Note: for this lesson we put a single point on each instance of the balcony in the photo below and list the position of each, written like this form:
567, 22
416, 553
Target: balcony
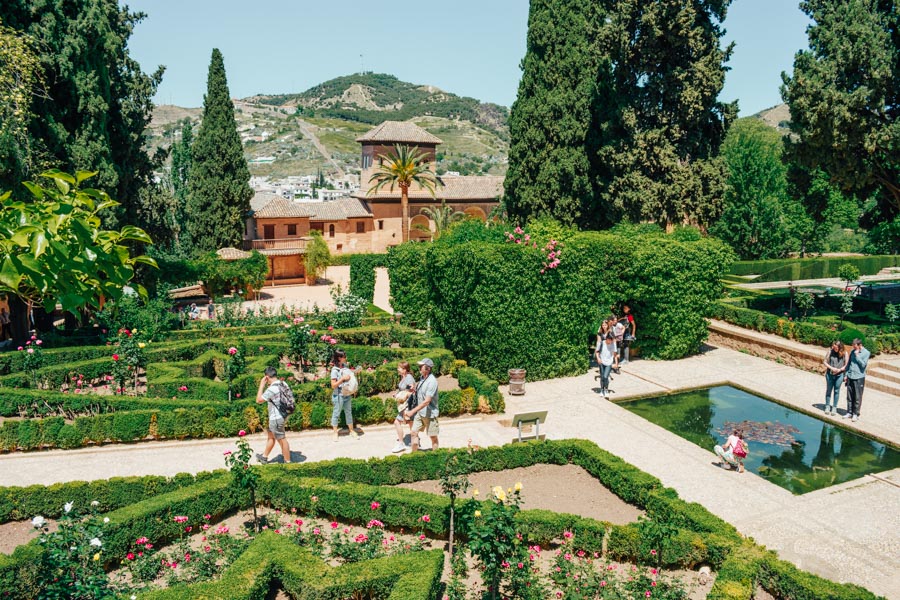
297, 243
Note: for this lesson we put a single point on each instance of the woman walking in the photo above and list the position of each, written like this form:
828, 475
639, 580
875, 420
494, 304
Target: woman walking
836, 360
405, 401
607, 356
340, 400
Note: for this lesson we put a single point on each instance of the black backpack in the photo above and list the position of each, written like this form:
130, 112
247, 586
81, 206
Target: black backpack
286, 404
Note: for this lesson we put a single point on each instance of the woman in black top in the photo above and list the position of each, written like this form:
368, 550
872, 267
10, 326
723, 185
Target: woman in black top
835, 362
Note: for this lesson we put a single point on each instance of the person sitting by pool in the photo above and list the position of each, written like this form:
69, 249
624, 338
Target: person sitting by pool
734, 451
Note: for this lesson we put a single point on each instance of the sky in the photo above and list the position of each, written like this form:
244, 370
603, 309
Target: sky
467, 47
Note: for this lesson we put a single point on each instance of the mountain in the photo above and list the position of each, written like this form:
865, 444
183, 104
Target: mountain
779, 117
301, 134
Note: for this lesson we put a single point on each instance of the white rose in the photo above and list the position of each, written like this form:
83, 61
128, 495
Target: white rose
68, 506
106, 519
96, 542
95, 503
38, 522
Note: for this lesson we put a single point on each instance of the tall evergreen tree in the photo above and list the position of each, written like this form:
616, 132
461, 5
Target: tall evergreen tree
182, 163
844, 97
552, 136
219, 186
661, 122
97, 101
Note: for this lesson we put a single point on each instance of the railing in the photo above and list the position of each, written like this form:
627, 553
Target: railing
298, 243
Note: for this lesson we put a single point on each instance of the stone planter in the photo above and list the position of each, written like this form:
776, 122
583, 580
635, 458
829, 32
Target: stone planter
516, 382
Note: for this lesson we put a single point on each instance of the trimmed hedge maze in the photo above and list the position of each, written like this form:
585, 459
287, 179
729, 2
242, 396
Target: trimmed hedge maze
187, 396
345, 490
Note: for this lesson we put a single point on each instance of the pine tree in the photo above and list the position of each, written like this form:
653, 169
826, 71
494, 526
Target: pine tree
219, 188
552, 138
844, 97
662, 124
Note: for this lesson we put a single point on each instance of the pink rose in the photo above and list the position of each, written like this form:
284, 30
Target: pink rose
232, 351
31, 351
242, 433
375, 505
39, 342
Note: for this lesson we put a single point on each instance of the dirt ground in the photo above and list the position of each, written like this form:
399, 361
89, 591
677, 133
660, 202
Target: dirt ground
560, 488
17, 533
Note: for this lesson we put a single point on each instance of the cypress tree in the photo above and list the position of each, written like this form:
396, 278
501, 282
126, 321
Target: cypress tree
182, 162
552, 138
663, 125
219, 186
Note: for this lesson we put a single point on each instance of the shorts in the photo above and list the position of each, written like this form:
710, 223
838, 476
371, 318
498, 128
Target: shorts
276, 428
430, 425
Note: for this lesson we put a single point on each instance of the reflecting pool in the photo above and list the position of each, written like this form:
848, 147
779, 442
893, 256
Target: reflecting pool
789, 448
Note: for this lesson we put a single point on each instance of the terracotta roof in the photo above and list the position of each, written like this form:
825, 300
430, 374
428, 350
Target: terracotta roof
399, 131
455, 188
282, 251
191, 291
281, 208
338, 210
260, 199
232, 254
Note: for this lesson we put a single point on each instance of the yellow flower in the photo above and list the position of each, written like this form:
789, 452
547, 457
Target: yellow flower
475, 493
133, 331
141, 344
477, 513
96, 557
509, 491
519, 486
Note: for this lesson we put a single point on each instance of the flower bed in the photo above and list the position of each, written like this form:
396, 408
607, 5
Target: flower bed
682, 534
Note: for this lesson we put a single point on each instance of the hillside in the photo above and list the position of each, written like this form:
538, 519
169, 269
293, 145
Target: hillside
317, 129
778, 116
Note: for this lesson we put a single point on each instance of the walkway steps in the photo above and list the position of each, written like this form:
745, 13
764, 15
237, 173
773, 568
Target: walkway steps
883, 375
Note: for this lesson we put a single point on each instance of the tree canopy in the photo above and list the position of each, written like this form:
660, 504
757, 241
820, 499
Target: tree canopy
97, 101
219, 185
844, 96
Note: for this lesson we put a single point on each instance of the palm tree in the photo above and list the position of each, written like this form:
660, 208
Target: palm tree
405, 166
443, 216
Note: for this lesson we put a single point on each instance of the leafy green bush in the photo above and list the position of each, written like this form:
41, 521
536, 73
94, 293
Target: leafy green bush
362, 274
795, 269
222, 276
409, 289
317, 257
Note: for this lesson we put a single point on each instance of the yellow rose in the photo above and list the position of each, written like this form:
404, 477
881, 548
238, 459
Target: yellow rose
477, 513
133, 331
141, 344
501, 497
519, 486
497, 491
97, 557
475, 493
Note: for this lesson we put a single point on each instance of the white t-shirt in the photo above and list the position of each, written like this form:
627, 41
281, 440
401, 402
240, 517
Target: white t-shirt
272, 396
607, 351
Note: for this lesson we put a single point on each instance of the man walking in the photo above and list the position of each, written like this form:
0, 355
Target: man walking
270, 392
424, 416
856, 378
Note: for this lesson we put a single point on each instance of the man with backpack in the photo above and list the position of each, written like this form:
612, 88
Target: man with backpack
278, 395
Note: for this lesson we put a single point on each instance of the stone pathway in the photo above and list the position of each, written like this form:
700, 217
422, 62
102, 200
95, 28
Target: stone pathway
848, 533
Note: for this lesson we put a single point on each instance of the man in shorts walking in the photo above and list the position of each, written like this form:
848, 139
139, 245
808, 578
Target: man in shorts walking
425, 415
270, 393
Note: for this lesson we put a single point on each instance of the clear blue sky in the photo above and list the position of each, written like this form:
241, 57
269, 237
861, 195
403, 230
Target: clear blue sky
468, 47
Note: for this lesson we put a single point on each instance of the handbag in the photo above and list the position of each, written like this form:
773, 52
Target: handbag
741, 450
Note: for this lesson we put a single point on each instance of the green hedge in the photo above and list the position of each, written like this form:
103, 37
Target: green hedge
344, 489
362, 274
494, 308
794, 269
806, 332
409, 289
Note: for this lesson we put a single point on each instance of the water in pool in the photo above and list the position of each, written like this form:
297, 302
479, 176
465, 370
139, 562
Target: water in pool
787, 447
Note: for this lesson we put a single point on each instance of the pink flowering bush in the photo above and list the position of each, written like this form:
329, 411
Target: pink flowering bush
34, 358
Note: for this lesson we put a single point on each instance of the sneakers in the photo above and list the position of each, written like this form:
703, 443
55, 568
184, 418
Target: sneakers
261, 459
855, 418
399, 448
847, 415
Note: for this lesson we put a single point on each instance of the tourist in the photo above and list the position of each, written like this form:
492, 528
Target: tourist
628, 337
211, 310
195, 312
405, 401
607, 356
835, 364
733, 453
856, 378
5, 322
341, 401
425, 413
270, 391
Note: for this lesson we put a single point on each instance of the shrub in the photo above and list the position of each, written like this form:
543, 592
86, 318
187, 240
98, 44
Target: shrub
362, 274
318, 257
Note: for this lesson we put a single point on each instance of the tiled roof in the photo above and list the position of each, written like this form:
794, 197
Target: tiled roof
282, 251
399, 131
260, 199
338, 210
280, 208
232, 254
474, 187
